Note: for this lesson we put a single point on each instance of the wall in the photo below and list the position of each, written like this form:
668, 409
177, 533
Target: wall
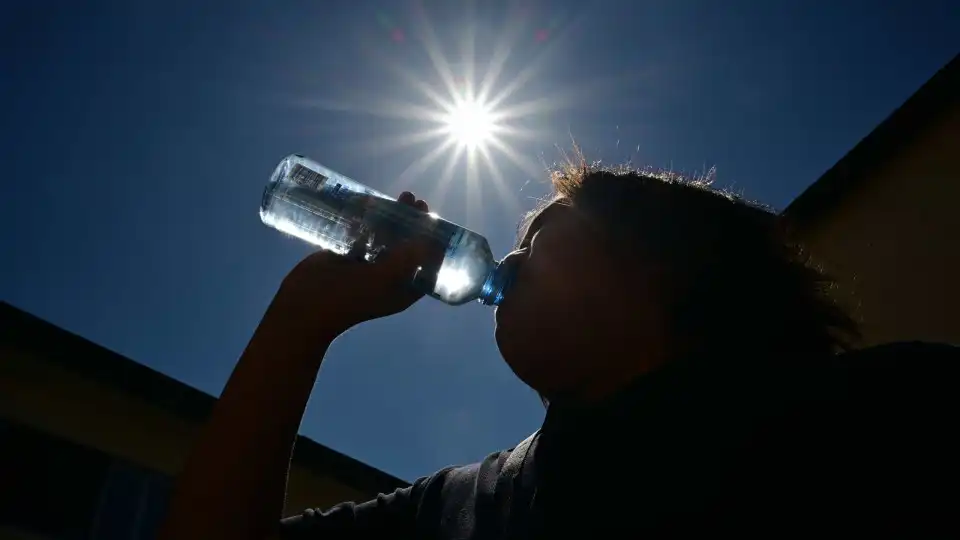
894, 244
121, 442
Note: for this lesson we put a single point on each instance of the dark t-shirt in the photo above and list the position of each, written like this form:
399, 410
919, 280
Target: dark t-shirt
860, 444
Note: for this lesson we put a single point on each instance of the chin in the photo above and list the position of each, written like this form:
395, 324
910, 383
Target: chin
500, 336
524, 365
500, 326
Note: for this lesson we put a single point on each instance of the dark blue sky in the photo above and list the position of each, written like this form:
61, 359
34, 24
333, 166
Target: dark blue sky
137, 137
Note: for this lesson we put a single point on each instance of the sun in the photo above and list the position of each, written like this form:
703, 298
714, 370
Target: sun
470, 124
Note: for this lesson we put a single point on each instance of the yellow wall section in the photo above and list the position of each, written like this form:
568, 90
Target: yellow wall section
52, 399
894, 244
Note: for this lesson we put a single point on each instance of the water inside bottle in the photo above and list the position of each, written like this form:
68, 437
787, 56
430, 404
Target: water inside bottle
322, 207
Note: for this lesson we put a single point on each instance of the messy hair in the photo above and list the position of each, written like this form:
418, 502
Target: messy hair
737, 284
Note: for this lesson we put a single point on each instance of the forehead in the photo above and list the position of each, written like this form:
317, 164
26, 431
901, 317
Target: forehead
534, 221
559, 216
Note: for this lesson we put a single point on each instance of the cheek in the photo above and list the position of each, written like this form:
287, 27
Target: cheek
553, 277
549, 295
553, 309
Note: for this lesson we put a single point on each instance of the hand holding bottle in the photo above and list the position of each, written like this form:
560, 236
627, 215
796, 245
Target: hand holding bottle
327, 293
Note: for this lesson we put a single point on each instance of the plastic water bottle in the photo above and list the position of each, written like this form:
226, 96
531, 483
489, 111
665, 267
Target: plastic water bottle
325, 208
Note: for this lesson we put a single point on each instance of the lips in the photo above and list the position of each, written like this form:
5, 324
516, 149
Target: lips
509, 270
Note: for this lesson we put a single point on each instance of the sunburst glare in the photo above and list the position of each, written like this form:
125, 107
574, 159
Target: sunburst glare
470, 123
459, 119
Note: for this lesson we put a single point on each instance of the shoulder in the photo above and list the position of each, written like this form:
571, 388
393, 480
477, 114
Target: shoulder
907, 357
461, 483
911, 378
886, 391
870, 441
421, 509
896, 400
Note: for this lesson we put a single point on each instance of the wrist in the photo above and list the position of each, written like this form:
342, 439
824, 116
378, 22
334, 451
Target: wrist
294, 335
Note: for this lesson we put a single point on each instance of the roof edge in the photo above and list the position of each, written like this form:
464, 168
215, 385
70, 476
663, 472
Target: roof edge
25, 331
902, 126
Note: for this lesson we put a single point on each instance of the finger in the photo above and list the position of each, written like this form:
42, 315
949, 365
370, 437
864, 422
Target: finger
358, 251
407, 198
421, 205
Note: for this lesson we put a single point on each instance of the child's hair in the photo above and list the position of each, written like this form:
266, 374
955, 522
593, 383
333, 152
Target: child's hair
737, 285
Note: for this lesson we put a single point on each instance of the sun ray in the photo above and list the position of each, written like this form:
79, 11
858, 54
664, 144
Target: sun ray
528, 166
500, 183
474, 194
501, 54
595, 88
470, 60
393, 143
535, 106
550, 50
382, 108
408, 111
418, 84
419, 166
439, 194
526, 75
408, 76
432, 46
520, 133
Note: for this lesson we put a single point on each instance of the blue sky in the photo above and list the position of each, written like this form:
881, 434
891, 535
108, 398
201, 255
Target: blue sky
137, 137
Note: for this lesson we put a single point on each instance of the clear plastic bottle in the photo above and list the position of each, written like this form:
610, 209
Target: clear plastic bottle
325, 208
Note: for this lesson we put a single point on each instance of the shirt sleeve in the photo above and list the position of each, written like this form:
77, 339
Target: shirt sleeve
390, 516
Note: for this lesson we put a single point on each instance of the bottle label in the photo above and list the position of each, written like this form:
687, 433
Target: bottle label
360, 213
334, 197
383, 215
305, 177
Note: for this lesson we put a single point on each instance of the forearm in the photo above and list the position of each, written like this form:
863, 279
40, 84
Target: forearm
234, 481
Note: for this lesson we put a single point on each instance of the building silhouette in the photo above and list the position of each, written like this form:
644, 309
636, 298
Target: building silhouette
90, 440
885, 220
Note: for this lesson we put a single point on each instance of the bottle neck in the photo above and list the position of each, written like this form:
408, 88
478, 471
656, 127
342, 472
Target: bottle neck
496, 284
